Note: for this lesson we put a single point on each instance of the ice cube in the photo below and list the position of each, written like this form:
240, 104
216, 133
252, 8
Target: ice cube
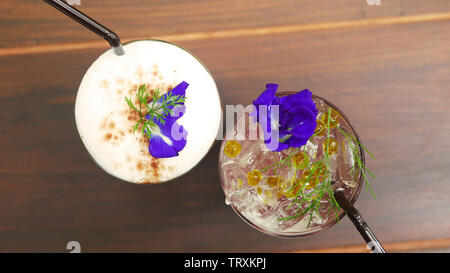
263, 210
234, 177
228, 165
312, 146
317, 219
330, 161
241, 199
286, 208
267, 194
346, 162
246, 158
288, 173
267, 159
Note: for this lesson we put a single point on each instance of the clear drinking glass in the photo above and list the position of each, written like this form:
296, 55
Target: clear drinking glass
105, 124
252, 204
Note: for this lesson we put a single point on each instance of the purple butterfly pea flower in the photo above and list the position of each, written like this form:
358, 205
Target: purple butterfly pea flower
169, 139
287, 121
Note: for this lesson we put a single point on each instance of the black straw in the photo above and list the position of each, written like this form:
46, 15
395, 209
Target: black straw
361, 225
89, 23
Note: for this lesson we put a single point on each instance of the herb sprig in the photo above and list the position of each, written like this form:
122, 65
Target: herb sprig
360, 165
154, 105
311, 200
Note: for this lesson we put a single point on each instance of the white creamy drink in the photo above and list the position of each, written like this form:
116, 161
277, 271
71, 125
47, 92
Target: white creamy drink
105, 121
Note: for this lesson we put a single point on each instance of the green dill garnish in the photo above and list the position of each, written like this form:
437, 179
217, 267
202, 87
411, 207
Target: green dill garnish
319, 173
149, 104
360, 165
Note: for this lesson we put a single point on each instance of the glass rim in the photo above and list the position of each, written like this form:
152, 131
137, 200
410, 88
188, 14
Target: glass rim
319, 228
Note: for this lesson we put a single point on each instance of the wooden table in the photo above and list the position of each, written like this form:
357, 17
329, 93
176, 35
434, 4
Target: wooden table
387, 67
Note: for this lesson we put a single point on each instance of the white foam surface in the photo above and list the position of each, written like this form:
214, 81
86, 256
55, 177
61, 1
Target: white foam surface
103, 117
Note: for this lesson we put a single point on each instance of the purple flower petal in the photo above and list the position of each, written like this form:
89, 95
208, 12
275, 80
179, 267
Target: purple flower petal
267, 96
266, 100
180, 89
297, 141
168, 139
275, 144
299, 115
159, 148
301, 98
281, 147
178, 111
296, 120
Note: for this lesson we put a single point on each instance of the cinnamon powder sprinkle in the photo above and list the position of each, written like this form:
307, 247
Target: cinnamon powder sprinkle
108, 136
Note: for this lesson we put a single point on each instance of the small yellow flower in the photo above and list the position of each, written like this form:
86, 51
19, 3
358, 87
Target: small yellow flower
321, 128
300, 160
232, 148
272, 181
288, 188
334, 118
309, 179
254, 177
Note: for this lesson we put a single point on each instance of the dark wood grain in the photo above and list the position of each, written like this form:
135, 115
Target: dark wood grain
420, 246
26, 23
392, 82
